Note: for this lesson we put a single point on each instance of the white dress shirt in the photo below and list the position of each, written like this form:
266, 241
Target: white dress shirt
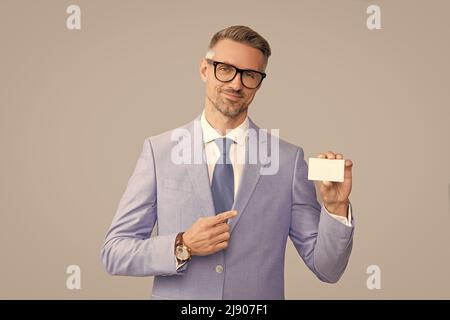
237, 155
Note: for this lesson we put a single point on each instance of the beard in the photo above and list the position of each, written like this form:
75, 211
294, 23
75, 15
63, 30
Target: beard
229, 109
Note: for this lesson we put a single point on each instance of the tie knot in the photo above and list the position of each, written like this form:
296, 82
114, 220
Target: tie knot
224, 145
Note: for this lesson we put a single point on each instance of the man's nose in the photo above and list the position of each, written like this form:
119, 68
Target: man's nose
236, 83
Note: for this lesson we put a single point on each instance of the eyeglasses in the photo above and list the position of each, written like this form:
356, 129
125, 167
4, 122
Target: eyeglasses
224, 72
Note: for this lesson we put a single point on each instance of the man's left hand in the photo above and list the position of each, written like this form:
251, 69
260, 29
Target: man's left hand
335, 194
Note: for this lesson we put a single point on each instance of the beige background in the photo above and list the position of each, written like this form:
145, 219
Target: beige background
76, 107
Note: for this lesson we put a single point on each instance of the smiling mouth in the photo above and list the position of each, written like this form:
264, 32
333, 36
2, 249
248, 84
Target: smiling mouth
232, 96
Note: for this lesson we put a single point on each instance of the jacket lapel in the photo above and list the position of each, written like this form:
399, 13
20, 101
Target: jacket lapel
250, 176
198, 171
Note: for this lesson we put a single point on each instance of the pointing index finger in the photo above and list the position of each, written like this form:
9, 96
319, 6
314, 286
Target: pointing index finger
224, 216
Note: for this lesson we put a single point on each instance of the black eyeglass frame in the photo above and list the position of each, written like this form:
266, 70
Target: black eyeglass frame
238, 70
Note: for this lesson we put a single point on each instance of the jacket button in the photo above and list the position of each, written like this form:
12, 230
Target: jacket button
219, 268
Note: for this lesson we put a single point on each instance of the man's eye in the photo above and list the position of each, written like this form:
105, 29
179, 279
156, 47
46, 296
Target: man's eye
225, 68
250, 75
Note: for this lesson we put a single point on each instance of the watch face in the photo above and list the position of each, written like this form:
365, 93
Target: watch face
182, 253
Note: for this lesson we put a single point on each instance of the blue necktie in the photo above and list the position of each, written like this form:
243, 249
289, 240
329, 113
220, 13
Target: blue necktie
222, 185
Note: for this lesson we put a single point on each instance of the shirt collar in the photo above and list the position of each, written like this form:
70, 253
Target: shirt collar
238, 134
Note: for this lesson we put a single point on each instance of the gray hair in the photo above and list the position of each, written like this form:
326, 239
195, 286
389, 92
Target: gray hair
241, 34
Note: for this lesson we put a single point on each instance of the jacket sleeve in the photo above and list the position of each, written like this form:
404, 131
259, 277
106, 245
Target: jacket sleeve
128, 249
323, 242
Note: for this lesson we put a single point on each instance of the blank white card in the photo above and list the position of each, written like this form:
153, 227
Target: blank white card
326, 169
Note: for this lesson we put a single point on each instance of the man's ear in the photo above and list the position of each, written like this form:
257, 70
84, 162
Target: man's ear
203, 69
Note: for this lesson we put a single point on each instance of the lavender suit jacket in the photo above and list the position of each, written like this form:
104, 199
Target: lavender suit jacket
271, 208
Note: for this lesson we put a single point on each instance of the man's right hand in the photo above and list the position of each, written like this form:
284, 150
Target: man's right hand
209, 234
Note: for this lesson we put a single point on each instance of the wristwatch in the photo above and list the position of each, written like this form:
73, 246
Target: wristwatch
182, 252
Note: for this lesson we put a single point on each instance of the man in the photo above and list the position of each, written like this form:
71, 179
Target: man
222, 224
